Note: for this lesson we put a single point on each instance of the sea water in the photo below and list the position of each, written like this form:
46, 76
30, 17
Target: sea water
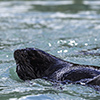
68, 29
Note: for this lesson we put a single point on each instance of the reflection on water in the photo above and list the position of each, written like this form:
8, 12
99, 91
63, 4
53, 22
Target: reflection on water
68, 29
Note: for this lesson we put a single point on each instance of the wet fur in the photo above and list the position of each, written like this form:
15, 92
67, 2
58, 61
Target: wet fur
34, 63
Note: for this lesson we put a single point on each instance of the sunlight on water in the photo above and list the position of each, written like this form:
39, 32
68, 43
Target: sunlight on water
68, 29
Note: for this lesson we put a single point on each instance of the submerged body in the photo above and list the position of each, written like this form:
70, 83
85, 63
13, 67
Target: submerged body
34, 63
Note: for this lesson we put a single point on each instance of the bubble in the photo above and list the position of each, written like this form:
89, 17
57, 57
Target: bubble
72, 43
65, 51
86, 44
7, 56
60, 51
49, 44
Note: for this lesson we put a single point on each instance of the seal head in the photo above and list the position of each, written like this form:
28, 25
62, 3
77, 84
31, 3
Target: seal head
33, 63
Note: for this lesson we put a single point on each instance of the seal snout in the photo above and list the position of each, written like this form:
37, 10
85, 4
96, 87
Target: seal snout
19, 54
16, 53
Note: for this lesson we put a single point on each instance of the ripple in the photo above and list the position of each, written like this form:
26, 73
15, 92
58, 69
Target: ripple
68, 29
91, 2
47, 3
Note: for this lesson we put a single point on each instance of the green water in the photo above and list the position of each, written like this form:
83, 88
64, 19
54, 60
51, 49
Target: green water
62, 28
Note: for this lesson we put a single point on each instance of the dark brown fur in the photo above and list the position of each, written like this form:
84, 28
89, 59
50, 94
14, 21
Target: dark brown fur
34, 63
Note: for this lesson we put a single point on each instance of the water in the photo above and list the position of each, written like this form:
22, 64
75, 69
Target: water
68, 29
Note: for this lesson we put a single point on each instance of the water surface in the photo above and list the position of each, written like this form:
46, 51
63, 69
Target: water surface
68, 29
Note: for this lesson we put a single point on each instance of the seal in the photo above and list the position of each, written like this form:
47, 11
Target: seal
34, 63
